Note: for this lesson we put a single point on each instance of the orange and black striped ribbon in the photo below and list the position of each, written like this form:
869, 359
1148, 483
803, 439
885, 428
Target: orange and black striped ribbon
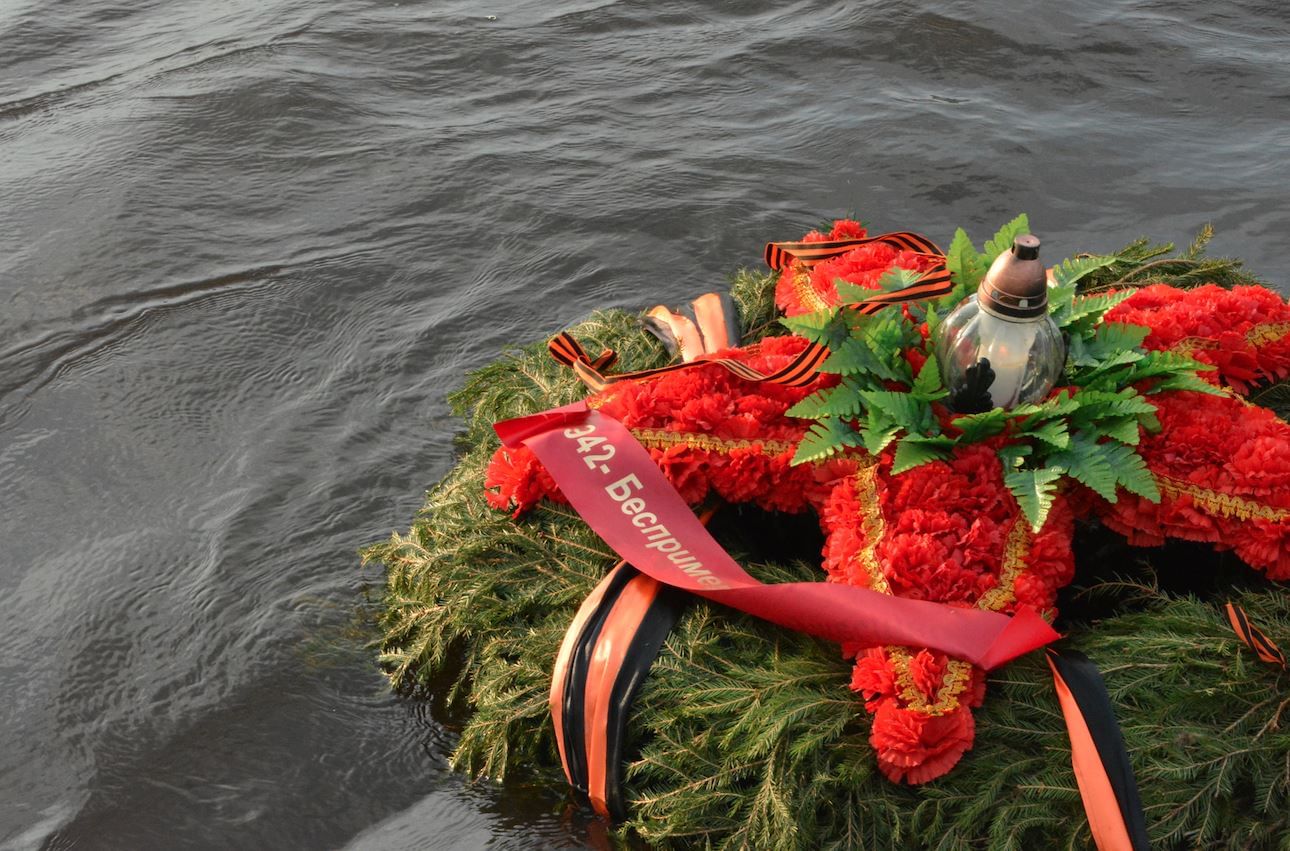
780, 255
605, 658
802, 369
1098, 755
568, 351
1266, 649
575, 654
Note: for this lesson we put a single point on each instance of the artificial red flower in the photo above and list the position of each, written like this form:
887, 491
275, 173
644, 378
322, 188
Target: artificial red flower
1243, 331
915, 748
516, 479
927, 670
873, 678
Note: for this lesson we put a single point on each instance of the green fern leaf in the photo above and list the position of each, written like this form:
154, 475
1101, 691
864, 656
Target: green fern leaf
1100, 404
845, 401
933, 321
928, 386
821, 326
810, 408
1131, 471
1051, 432
1089, 463
896, 279
913, 415
915, 450
977, 427
1034, 490
1059, 406
854, 357
1119, 335
878, 432
1060, 300
1111, 341
1124, 429
965, 266
1108, 375
841, 401
1012, 455
1085, 312
1185, 381
824, 438
1070, 271
849, 293
1157, 364
889, 336
1003, 238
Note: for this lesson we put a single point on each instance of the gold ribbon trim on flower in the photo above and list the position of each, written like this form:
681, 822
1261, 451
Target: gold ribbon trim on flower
957, 673
806, 293
652, 438
1219, 503
1258, 335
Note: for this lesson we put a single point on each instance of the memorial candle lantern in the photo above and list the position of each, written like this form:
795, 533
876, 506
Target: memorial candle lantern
999, 348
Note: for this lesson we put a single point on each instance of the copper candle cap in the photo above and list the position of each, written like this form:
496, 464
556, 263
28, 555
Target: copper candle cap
1016, 286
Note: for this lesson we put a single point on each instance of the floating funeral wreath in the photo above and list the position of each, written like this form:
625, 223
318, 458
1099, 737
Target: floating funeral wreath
1163, 429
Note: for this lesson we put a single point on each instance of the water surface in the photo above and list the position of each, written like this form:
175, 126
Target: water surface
247, 247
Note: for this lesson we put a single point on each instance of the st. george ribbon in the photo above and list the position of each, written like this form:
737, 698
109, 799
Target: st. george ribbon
615, 486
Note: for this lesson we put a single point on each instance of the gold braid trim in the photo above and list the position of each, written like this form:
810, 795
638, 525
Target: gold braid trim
1269, 332
654, 438
957, 673
1015, 550
1219, 503
1258, 335
872, 527
806, 293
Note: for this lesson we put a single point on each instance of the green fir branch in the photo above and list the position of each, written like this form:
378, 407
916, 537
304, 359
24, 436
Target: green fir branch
1141, 263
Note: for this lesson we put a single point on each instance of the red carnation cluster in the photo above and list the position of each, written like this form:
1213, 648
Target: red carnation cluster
802, 291
914, 747
515, 480
707, 430
712, 401
942, 533
1223, 468
1244, 332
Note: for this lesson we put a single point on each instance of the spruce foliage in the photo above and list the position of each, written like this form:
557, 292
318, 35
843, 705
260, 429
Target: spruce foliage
1143, 262
748, 736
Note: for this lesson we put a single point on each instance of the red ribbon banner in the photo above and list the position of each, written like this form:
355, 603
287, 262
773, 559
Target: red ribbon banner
613, 483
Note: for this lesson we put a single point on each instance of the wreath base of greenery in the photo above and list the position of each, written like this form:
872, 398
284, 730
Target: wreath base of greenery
747, 736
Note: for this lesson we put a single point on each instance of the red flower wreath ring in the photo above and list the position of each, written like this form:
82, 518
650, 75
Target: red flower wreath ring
950, 531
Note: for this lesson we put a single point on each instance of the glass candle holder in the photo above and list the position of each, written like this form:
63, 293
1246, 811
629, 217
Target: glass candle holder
1000, 348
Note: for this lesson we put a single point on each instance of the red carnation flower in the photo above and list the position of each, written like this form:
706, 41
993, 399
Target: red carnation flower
916, 748
515, 478
927, 671
873, 678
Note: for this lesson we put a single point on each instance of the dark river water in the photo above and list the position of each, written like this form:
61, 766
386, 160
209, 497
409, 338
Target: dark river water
246, 248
